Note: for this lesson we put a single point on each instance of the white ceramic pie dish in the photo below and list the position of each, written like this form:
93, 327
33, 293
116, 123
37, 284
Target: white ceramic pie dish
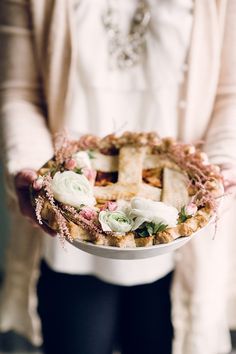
135, 252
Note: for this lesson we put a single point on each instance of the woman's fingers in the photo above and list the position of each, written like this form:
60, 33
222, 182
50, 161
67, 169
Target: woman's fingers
23, 180
229, 173
48, 230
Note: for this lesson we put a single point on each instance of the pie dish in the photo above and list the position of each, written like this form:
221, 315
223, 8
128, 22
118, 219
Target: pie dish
130, 191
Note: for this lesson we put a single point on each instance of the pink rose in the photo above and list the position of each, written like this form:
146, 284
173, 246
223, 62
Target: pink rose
190, 209
90, 174
88, 213
70, 164
111, 206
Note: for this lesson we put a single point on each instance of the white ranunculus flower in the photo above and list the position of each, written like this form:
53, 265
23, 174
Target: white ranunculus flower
147, 210
82, 159
73, 189
115, 221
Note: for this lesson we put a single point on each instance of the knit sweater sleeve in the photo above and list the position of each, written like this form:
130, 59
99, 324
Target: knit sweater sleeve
25, 135
221, 134
200, 287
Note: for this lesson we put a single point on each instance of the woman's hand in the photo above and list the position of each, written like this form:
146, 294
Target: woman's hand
229, 173
23, 180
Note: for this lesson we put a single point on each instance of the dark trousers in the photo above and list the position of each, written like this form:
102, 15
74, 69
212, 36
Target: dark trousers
83, 315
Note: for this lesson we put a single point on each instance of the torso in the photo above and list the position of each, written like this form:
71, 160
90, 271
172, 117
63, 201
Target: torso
144, 97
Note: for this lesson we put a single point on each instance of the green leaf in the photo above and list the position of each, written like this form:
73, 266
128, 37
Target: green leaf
91, 154
53, 171
78, 170
150, 228
160, 227
142, 232
182, 215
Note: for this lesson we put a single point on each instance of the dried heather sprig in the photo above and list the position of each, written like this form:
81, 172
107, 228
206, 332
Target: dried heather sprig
198, 171
60, 220
64, 148
90, 225
38, 208
47, 186
70, 209
62, 225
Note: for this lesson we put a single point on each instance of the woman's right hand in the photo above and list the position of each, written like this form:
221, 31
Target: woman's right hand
23, 181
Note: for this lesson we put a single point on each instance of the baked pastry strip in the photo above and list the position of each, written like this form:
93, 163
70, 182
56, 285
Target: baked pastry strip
131, 165
115, 191
149, 192
110, 163
175, 188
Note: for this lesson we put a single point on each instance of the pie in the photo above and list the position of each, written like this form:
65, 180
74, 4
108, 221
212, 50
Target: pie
132, 190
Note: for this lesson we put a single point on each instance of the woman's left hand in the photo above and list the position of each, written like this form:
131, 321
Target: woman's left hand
229, 174
23, 180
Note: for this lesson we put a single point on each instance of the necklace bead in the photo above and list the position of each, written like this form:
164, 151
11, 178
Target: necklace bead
125, 51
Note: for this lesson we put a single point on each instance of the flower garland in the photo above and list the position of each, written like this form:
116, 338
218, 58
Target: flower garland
66, 184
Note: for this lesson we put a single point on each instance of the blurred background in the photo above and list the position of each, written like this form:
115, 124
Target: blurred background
4, 222
9, 342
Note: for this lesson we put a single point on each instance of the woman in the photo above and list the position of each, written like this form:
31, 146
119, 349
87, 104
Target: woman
76, 67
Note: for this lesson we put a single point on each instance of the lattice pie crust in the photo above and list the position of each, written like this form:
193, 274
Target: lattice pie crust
136, 164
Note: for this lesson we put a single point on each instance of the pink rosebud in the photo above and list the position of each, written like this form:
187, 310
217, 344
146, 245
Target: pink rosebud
190, 149
38, 183
88, 141
70, 164
88, 213
204, 158
90, 174
190, 209
111, 206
